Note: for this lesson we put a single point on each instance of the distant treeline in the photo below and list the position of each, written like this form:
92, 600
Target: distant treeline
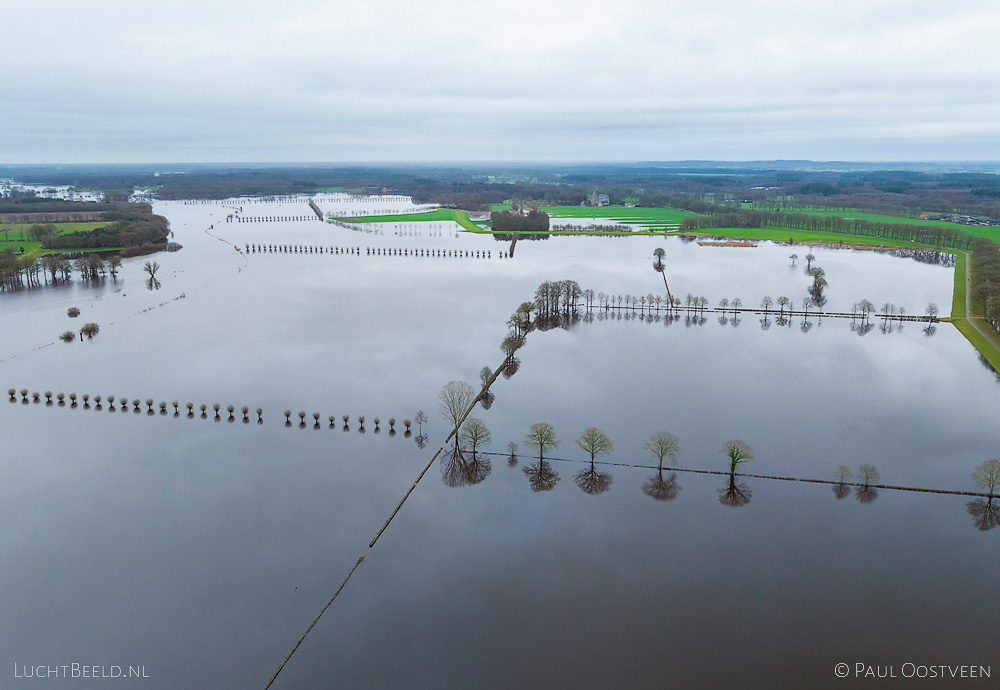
765, 185
41, 205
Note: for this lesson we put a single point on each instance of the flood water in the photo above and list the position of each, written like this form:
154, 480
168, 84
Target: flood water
201, 549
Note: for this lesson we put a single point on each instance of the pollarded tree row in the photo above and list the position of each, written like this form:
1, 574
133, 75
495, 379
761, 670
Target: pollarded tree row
203, 409
369, 251
268, 219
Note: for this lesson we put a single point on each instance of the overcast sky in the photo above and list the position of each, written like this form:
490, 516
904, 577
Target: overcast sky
109, 81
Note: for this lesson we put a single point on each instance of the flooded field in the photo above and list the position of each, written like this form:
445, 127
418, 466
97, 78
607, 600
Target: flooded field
201, 548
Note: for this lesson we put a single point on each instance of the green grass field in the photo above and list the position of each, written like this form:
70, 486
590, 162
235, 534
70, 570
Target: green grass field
441, 214
958, 299
18, 237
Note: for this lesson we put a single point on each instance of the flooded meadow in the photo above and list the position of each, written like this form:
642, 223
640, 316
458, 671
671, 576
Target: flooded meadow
201, 546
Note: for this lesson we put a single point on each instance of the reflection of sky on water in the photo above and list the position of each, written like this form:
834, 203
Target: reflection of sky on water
179, 543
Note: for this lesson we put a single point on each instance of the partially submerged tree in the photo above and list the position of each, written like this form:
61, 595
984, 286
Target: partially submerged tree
738, 453
987, 475
840, 489
595, 442
512, 454
455, 400
868, 476
543, 437
663, 446
474, 434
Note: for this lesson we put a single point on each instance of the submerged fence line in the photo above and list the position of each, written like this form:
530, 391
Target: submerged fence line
723, 473
777, 313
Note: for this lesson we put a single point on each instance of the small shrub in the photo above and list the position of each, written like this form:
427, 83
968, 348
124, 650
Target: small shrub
72, 312
68, 336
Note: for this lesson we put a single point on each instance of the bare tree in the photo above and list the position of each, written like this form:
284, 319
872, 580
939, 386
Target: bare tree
595, 442
663, 446
512, 454
543, 437
474, 434
868, 475
738, 453
987, 475
456, 398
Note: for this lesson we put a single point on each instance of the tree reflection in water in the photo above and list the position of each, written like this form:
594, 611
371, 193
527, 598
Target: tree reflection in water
456, 470
866, 494
541, 476
511, 367
487, 400
841, 490
593, 482
733, 494
985, 515
661, 489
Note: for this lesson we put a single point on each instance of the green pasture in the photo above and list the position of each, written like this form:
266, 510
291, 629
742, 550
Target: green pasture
879, 218
441, 214
958, 297
18, 237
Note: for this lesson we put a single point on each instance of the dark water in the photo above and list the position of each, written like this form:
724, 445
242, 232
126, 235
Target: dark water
202, 549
